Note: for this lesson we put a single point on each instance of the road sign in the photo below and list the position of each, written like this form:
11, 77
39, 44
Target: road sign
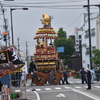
60, 49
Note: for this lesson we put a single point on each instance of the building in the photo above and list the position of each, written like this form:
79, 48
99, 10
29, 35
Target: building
95, 37
76, 62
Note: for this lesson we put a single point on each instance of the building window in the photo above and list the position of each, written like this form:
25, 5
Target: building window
86, 34
87, 65
87, 51
94, 47
93, 32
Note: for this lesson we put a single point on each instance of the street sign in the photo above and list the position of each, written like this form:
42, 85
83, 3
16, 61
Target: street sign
60, 49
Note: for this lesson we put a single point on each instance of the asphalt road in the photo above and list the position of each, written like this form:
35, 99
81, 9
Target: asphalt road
74, 91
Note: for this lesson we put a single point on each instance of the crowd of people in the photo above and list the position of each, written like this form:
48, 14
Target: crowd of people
88, 76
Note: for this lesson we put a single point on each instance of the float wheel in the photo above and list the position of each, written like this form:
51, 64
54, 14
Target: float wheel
40, 79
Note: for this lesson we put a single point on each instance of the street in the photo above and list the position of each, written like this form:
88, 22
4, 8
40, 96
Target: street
74, 91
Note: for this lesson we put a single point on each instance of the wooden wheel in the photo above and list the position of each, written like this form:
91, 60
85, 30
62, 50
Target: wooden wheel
40, 79
56, 78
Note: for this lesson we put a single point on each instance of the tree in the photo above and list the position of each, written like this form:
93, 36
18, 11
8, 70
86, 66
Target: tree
96, 57
68, 45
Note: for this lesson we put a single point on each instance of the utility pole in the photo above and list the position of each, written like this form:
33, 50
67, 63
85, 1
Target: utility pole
89, 34
89, 31
27, 54
18, 46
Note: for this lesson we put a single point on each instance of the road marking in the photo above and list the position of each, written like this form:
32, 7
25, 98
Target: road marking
60, 95
38, 89
58, 88
17, 90
71, 82
78, 81
78, 87
87, 94
38, 97
86, 86
67, 87
27, 84
47, 88
97, 86
28, 90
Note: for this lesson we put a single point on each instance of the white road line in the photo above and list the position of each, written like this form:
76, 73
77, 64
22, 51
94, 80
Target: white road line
78, 87
17, 90
58, 88
38, 97
83, 93
28, 90
86, 86
67, 87
97, 86
47, 88
38, 89
27, 84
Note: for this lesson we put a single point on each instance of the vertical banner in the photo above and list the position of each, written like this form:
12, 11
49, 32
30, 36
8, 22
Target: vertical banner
76, 39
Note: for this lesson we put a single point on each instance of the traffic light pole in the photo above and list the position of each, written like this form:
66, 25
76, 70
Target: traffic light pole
5, 25
12, 27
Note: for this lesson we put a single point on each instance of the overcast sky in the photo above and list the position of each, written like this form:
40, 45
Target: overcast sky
27, 22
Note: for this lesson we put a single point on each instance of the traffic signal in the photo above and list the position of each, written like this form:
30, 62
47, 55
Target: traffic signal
4, 36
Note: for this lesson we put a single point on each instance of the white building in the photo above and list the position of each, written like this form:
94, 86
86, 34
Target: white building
95, 37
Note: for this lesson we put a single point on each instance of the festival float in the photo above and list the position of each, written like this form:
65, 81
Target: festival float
46, 56
10, 62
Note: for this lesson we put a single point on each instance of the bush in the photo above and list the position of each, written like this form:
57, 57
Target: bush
77, 76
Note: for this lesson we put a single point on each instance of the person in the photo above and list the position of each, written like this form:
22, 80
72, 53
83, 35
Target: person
83, 76
97, 74
23, 78
51, 78
13, 79
1, 86
33, 76
18, 79
65, 76
88, 79
32, 67
92, 75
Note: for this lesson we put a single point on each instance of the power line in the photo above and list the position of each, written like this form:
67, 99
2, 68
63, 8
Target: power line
55, 2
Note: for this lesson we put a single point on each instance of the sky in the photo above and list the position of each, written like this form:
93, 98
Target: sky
65, 13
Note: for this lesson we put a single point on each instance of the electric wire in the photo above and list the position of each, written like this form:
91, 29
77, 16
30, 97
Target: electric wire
54, 2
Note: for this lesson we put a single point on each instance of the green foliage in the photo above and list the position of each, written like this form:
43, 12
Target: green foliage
68, 45
61, 33
96, 58
77, 76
